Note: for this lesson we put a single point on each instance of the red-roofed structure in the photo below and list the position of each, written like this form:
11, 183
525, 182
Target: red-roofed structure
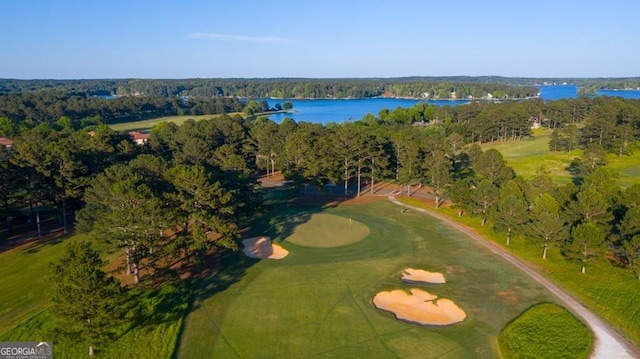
138, 137
5, 142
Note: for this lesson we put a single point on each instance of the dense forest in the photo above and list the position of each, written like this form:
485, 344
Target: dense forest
32, 108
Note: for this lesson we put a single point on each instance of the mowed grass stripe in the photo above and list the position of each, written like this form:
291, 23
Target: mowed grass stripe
296, 307
24, 283
148, 124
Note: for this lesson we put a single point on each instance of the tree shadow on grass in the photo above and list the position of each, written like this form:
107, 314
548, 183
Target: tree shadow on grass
149, 307
278, 221
233, 267
288, 213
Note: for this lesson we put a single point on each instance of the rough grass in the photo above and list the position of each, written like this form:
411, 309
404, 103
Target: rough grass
326, 231
608, 290
526, 157
545, 331
148, 124
317, 302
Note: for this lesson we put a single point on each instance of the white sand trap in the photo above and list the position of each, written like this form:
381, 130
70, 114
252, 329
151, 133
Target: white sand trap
418, 275
419, 307
261, 247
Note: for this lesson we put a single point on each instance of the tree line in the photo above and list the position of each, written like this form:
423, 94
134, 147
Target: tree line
32, 108
416, 87
586, 218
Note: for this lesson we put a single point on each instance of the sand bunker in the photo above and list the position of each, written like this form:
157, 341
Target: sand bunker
261, 247
418, 275
419, 307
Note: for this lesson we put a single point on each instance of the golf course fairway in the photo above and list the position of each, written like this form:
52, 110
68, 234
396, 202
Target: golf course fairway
317, 302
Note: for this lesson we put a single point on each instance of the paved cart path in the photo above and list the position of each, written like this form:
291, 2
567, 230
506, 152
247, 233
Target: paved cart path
608, 343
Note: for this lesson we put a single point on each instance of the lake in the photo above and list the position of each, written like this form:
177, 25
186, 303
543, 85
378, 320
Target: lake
341, 110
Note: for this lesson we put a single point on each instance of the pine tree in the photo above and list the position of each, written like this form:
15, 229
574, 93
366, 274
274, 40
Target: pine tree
85, 301
547, 225
510, 212
587, 243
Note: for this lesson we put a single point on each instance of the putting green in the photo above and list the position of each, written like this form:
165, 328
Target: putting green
328, 231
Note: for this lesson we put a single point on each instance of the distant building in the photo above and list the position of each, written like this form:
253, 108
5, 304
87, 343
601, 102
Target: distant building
6, 143
139, 137
535, 122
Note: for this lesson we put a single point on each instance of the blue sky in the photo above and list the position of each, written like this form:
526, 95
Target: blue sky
71, 39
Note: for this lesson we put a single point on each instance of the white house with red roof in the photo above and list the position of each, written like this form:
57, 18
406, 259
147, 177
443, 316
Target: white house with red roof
139, 137
6, 143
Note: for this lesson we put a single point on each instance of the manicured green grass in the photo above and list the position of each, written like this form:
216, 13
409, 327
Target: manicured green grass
148, 124
24, 283
155, 317
317, 302
545, 331
609, 291
526, 157
326, 231
154, 326
628, 167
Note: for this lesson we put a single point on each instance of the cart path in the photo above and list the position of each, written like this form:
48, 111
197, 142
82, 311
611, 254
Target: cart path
608, 344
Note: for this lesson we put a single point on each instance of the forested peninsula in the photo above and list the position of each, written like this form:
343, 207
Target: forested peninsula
447, 87
409, 87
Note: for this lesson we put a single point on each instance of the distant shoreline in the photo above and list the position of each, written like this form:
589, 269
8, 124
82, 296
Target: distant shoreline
396, 98
274, 112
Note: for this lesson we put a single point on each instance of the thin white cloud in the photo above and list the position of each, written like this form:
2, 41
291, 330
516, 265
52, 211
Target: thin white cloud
241, 38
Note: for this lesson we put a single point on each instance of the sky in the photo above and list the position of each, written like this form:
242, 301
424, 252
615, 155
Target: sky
80, 39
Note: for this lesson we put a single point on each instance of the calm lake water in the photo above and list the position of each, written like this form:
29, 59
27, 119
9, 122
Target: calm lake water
341, 110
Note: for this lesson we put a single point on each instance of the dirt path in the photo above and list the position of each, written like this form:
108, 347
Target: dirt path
608, 343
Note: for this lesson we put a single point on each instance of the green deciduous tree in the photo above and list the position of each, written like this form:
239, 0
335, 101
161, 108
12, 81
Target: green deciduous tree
251, 108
